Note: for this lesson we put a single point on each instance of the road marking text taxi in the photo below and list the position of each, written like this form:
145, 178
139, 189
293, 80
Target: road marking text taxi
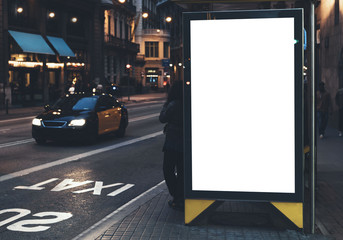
67, 184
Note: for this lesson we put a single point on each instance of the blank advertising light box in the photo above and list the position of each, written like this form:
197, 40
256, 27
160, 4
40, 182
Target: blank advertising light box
243, 102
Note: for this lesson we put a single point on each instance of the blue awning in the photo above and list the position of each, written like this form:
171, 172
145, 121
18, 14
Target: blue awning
32, 43
61, 47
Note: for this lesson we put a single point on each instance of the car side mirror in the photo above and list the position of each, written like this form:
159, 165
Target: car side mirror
47, 107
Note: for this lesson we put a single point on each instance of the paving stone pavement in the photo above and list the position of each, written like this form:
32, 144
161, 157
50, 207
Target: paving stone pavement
156, 220
245, 220
329, 191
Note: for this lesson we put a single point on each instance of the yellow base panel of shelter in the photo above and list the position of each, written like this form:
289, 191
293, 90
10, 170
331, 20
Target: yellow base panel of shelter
293, 211
194, 207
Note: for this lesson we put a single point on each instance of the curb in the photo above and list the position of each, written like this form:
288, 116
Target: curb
100, 228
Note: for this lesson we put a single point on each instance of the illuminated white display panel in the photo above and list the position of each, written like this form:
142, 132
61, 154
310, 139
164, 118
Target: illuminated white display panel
242, 105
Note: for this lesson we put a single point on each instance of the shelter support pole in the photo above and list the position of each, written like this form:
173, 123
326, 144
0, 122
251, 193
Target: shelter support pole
313, 147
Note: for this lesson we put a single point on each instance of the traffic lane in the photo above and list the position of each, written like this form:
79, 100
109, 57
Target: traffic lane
138, 164
19, 129
17, 157
15, 131
21, 112
151, 111
28, 155
143, 109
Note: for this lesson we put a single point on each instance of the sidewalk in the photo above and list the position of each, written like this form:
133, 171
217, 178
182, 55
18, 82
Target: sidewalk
17, 112
244, 220
231, 221
329, 205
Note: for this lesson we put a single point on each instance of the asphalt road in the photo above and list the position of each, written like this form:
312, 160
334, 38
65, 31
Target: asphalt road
59, 190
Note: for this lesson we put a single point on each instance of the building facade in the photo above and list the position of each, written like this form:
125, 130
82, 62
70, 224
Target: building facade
152, 34
120, 50
329, 45
168, 8
49, 46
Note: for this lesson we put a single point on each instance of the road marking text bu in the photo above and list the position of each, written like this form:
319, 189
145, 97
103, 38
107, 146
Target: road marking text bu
32, 225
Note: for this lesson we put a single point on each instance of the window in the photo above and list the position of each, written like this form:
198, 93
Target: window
166, 49
87, 103
126, 31
106, 102
109, 64
75, 103
114, 65
145, 23
151, 49
109, 24
336, 12
115, 27
121, 29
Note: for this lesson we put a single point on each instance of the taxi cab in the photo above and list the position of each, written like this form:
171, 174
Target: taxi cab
81, 117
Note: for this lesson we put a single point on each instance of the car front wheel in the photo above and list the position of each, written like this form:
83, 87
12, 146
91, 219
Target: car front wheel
122, 127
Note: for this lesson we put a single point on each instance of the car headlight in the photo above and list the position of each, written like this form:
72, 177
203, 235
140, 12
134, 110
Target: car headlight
37, 122
77, 123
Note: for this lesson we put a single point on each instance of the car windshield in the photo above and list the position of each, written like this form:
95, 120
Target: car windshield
76, 103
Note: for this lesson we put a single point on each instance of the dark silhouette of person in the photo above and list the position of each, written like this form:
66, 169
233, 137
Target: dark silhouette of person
339, 103
324, 107
340, 70
173, 169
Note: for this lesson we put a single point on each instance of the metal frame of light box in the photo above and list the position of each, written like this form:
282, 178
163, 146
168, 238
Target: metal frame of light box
297, 196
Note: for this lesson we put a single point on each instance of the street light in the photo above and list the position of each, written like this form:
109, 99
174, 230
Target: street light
168, 19
145, 15
128, 68
51, 14
122, 1
20, 10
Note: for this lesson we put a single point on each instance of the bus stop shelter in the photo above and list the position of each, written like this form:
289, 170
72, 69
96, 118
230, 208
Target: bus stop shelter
298, 203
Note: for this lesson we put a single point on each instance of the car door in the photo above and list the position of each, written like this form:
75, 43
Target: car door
116, 114
104, 115
107, 115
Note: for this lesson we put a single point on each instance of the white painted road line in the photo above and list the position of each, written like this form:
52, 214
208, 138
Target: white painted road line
77, 157
4, 129
133, 105
100, 227
16, 119
144, 117
10, 144
145, 107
